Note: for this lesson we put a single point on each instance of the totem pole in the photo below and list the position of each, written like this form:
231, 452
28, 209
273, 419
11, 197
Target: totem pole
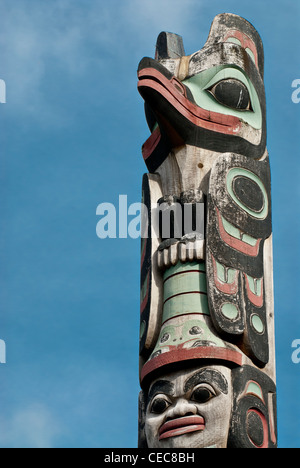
207, 359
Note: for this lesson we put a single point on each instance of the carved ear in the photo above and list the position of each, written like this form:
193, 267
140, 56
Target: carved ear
169, 46
254, 419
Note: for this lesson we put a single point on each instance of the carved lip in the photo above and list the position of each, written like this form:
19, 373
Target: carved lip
180, 426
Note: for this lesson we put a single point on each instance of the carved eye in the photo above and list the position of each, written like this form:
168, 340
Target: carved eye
231, 93
195, 331
165, 338
202, 394
159, 405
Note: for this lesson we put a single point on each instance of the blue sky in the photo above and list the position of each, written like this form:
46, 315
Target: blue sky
70, 138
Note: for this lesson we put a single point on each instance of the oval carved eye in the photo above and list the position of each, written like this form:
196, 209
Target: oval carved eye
202, 394
231, 93
195, 331
159, 405
165, 338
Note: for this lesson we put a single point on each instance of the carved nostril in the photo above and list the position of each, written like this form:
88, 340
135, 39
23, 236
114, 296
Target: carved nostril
189, 413
178, 85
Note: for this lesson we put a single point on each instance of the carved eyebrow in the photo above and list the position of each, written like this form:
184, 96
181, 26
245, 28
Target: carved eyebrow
211, 376
161, 386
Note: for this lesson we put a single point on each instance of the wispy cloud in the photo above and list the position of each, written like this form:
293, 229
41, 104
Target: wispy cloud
44, 42
31, 427
71, 40
81, 404
168, 15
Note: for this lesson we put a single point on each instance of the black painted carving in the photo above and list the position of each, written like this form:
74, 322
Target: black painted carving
254, 417
231, 252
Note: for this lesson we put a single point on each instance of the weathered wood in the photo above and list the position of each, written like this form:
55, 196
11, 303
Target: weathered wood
207, 348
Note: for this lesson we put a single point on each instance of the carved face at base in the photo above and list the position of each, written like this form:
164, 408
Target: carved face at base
190, 409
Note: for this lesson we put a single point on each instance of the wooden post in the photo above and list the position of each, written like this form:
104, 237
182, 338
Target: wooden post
207, 358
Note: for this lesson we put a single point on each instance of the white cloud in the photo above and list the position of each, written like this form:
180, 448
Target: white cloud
75, 39
156, 15
31, 427
44, 42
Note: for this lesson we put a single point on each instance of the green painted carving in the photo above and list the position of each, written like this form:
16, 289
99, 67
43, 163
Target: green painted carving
254, 389
230, 311
257, 323
185, 290
226, 275
201, 83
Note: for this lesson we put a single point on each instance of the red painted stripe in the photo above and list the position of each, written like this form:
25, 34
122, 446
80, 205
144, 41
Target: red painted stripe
271, 423
256, 300
237, 244
145, 301
213, 121
150, 144
144, 252
246, 42
179, 355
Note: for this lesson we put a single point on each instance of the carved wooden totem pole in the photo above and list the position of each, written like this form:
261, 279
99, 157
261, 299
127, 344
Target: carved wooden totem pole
207, 360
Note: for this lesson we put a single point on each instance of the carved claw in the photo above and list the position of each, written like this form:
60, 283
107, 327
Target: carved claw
189, 248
